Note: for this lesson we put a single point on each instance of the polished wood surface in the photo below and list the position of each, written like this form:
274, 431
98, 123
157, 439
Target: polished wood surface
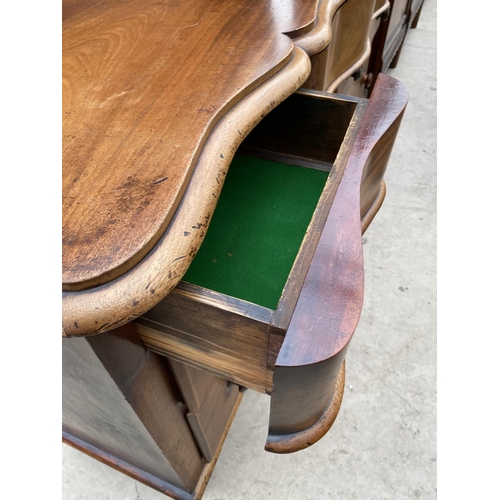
219, 334
347, 45
149, 479
122, 406
144, 85
103, 308
233, 338
302, 439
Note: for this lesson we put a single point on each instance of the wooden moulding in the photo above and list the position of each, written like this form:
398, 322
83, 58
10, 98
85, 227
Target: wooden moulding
361, 86
139, 103
232, 338
349, 71
374, 208
97, 304
318, 38
382, 7
396, 33
225, 336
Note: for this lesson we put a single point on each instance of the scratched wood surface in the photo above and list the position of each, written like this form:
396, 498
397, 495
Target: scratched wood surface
144, 84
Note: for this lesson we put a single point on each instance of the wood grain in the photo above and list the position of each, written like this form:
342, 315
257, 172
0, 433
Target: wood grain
339, 249
106, 307
230, 337
225, 336
145, 82
149, 479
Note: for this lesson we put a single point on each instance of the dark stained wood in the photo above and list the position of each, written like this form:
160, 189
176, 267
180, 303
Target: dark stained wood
415, 10
144, 212
378, 44
231, 338
323, 128
130, 470
209, 420
361, 81
374, 208
296, 441
396, 33
330, 301
296, 351
339, 249
117, 397
307, 125
192, 383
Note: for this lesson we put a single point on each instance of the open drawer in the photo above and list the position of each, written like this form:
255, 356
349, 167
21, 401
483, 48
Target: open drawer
280, 321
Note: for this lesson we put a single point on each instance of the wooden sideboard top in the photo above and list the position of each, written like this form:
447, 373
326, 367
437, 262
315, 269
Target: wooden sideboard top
157, 97
144, 84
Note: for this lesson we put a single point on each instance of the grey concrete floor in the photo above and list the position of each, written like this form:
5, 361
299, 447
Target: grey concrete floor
383, 444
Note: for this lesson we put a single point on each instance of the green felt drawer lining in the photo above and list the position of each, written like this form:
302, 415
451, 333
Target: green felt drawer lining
257, 229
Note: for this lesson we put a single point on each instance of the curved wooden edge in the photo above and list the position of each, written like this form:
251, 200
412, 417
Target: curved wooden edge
379, 12
349, 71
127, 265
375, 207
318, 39
330, 302
103, 308
301, 440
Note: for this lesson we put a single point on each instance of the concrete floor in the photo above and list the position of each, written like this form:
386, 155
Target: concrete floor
383, 444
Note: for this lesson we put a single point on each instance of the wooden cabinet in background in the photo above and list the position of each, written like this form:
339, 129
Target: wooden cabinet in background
388, 43
367, 39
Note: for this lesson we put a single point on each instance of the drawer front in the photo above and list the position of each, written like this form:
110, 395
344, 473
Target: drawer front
307, 334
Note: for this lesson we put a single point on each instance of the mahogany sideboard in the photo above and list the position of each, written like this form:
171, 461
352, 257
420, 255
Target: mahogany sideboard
215, 192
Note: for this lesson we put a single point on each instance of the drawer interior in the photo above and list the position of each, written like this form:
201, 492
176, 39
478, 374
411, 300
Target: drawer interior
271, 191
257, 228
231, 312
